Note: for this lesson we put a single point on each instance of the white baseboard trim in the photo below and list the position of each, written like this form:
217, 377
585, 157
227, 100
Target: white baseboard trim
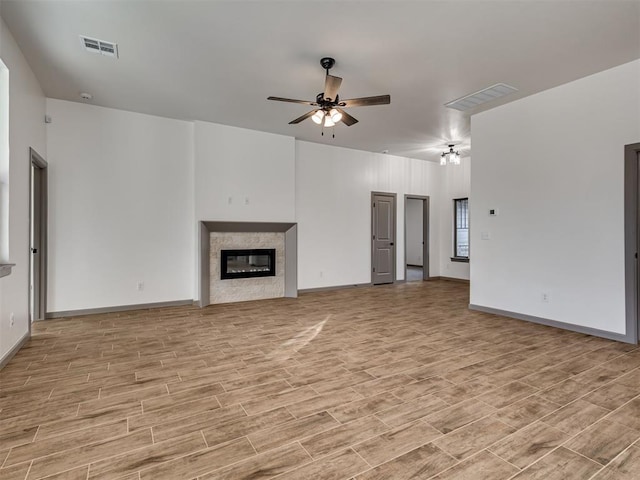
554, 323
11, 353
118, 308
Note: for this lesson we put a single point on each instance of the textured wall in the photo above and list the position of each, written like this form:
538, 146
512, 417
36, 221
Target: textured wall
243, 289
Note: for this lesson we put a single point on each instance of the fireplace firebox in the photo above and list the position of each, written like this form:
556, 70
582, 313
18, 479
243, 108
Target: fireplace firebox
260, 262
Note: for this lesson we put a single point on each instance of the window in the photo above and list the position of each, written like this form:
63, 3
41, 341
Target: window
461, 230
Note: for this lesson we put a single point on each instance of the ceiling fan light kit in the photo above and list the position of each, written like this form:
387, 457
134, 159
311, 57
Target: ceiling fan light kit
326, 119
329, 107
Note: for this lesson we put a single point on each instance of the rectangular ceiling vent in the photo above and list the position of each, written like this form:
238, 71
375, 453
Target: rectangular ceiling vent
483, 96
102, 47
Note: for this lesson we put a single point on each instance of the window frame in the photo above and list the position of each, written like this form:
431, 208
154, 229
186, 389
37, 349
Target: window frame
455, 257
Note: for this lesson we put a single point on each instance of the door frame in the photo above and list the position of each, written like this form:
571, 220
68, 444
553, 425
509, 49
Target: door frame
425, 234
395, 234
631, 240
36, 161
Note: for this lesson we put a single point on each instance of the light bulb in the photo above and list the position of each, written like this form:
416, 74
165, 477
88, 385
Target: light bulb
455, 158
328, 122
317, 117
336, 116
443, 159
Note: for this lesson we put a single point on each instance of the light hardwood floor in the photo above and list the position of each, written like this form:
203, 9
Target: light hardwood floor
390, 382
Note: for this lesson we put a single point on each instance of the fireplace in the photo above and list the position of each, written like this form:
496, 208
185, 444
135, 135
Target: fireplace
248, 263
218, 236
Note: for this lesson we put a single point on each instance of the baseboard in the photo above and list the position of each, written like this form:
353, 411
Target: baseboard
335, 287
118, 308
11, 353
554, 323
450, 279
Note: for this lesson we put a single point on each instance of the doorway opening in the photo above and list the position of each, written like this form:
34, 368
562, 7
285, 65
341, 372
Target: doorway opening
383, 238
632, 241
416, 238
38, 206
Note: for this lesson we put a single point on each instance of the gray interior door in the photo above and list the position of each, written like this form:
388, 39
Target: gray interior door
38, 239
383, 261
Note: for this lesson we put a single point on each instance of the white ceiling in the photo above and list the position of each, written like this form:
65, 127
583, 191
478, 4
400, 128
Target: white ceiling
219, 60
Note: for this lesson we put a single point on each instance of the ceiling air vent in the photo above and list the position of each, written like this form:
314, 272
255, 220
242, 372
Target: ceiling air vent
483, 96
102, 47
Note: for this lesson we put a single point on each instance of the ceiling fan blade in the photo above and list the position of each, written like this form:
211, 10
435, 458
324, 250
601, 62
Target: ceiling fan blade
331, 86
291, 100
303, 117
347, 119
366, 101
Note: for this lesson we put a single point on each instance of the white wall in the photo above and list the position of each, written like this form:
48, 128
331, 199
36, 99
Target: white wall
414, 223
456, 184
126, 191
26, 129
120, 207
552, 164
333, 210
243, 175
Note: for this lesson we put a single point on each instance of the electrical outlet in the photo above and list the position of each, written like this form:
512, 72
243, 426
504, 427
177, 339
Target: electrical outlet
140, 286
545, 297
12, 319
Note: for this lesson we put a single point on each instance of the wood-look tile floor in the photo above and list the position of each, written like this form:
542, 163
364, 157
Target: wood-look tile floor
390, 382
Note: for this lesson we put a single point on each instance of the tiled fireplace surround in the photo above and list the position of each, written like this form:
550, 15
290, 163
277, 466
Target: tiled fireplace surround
216, 236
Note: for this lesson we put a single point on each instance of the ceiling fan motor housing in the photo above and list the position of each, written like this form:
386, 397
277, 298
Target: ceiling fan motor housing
327, 104
327, 63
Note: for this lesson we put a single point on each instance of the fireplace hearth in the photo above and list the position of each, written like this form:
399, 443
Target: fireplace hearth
247, 263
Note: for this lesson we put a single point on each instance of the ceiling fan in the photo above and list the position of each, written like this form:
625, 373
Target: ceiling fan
330, 107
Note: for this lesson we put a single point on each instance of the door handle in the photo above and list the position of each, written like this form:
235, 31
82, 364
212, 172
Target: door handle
391, 244
34, 250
